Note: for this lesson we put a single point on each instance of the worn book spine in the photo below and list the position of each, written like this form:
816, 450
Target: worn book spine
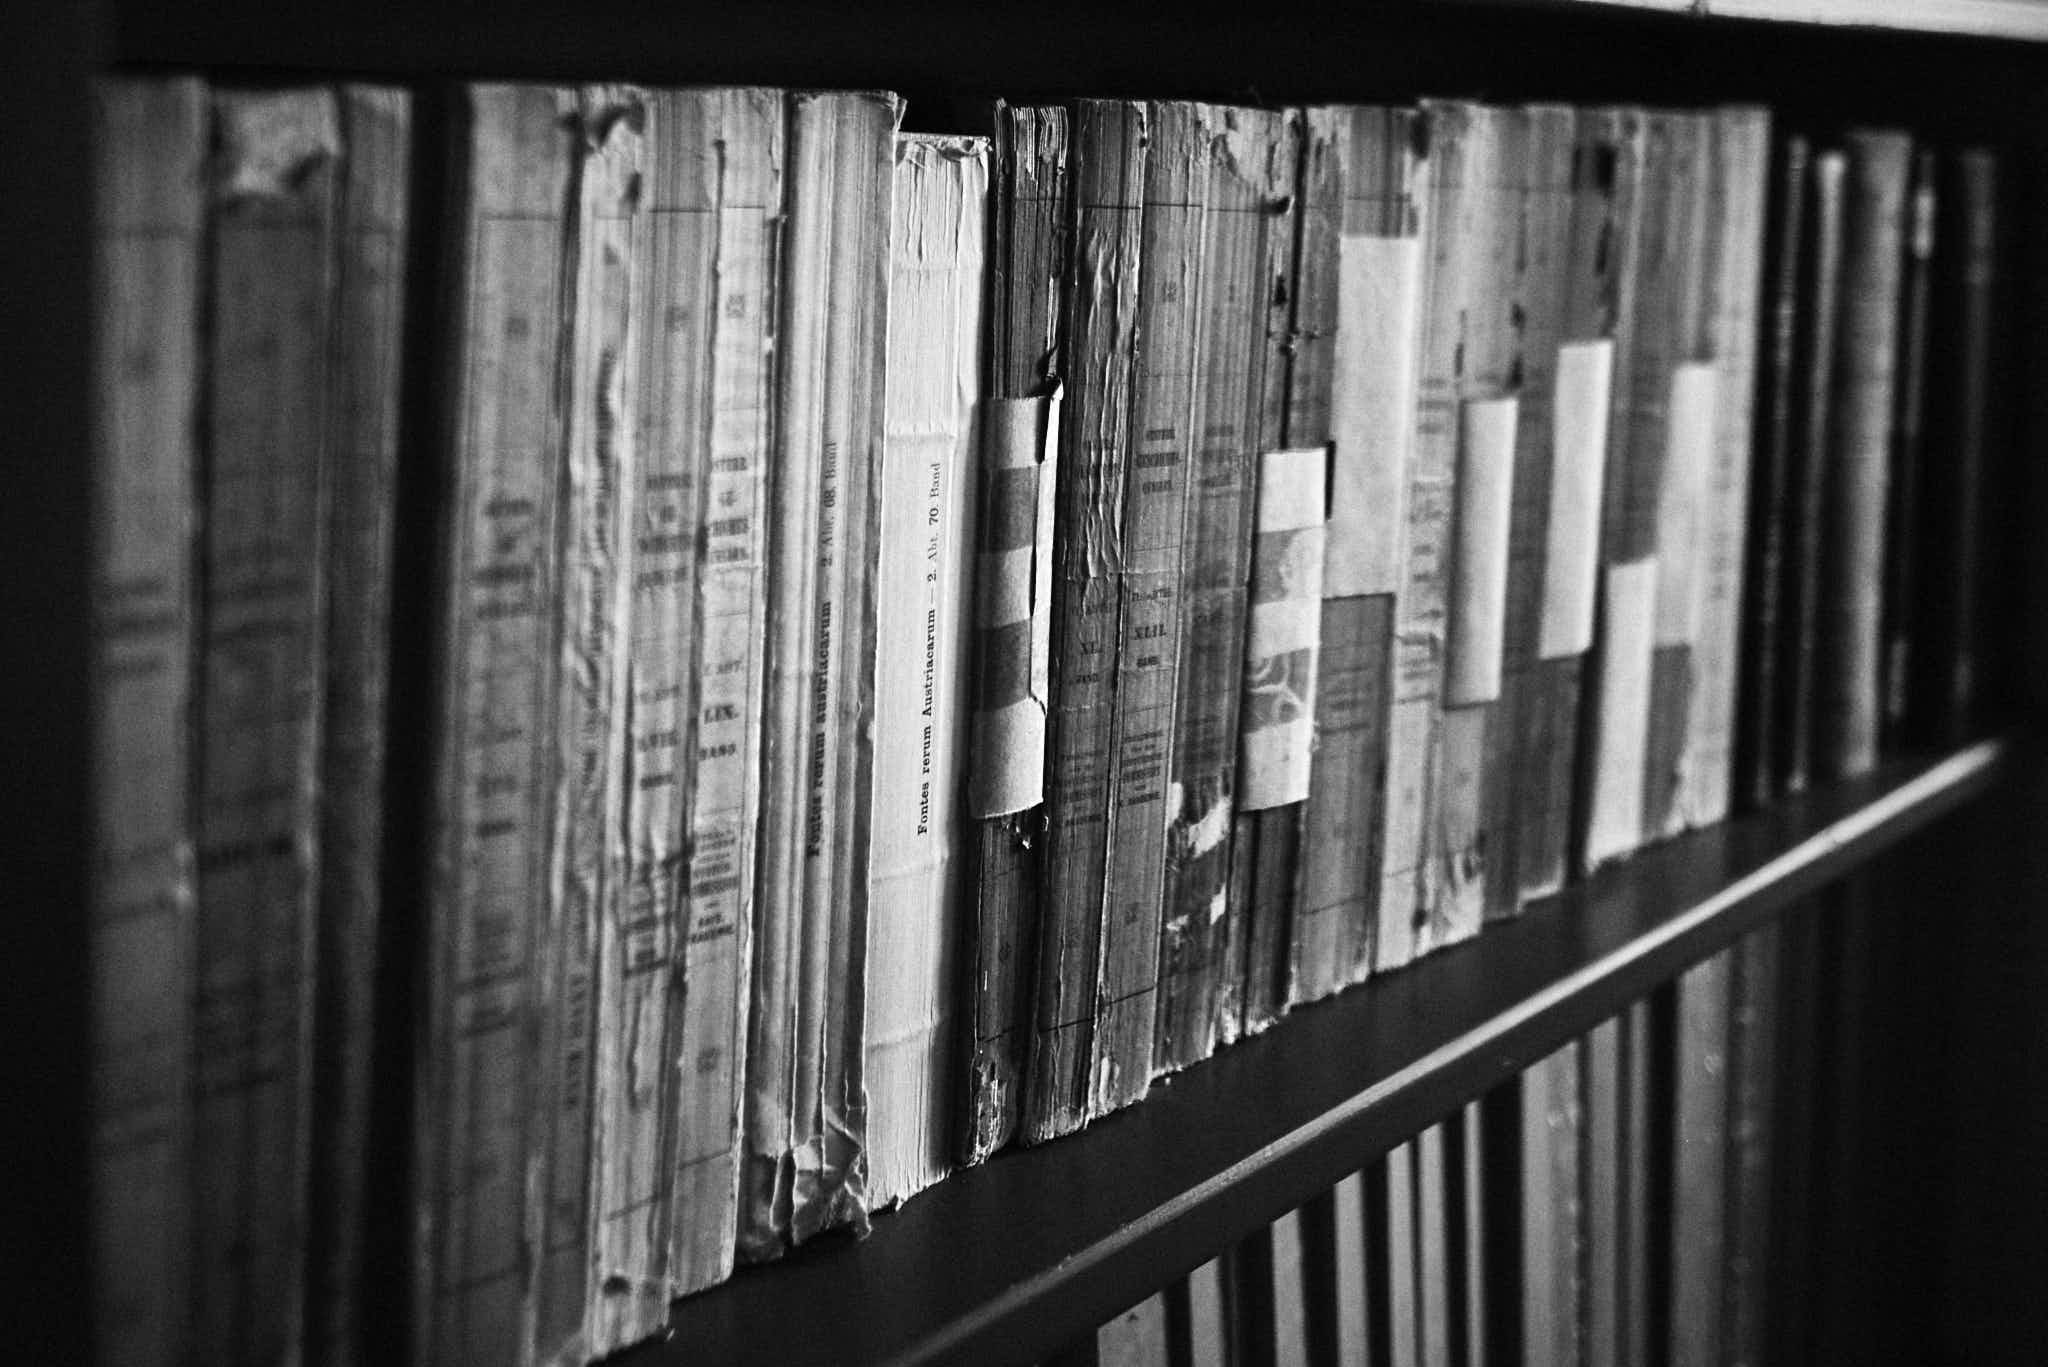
1013, 616
1847, 695
1464, 452
714, 228
1107, 179
1904, 518
1513, 776
1246, 161
1552, 1248
1153, 604
276, 164
495, 717
927, 493
1806, 475
1972, 284
1741, 161
150, 138
595, 479
1384, 162
1763, 637
1685, 466
362, 475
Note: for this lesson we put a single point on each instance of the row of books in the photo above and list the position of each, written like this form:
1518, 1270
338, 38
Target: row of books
933, 632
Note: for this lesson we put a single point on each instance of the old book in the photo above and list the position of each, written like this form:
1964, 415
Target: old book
1434, 1261
1013, 615
1806, 475
1741, 143
1157, 490
1752, 1080
494, 719
1602, 1162
1764, 585
1291, 1311
1552, 1249
1384, 163
706, 421
1905, 524
586, 728
1107, 153
1699, 1189
150, 139
1353, 1309
927, 491
1514, 775
1847, 698
1248, 163
373, 231
1136, 1338
1447, 657
261, 612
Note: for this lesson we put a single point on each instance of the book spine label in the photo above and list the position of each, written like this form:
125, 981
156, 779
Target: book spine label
1013, 609
927, 495
260, 681
1627, 641
490, 836
1571, 572
1108, 190
1688, 456
1283, 635
362, 476
1479, 570
150, 138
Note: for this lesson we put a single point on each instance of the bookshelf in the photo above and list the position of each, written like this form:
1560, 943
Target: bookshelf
1012, 1260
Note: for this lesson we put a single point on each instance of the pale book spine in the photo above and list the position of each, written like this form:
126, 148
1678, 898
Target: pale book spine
742, 145
1433, 1257
1551, 1131
150, 139
1137, 1338
1108, 162
490, 835
770, 1113
260, 685
362, 477
1163, 444
927, 493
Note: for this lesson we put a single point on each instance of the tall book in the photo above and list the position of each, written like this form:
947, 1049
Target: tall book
1847, 696
1013, 615
150, 140
1515, 775
275, 172
373, 233
1699, 1233
516, 147
1754, 979
1905, 537
1776, 427
927, 493
1106, 161
1385, 163
706, 422
1248, 163
1552, 1218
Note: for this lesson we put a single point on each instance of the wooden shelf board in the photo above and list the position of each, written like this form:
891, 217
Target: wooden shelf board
1006, 1262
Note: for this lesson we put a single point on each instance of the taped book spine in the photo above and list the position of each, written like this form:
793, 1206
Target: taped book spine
150, 138
1013, 597
926, 491
1764, 588
1904, 519
362, 477
277, 161
490, 835
1107, 180
1847, 692
716, 475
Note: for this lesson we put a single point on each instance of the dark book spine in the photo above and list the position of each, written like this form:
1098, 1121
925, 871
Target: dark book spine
1028, 257
1756, 778
1806, 477
1903, 517
1107, 180
1847, 694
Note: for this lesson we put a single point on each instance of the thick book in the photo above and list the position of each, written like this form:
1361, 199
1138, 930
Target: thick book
1106, 161
1384, 161
372, 241
1013, 616
1770, 510
516, 147
1248, 160
1905, 524
277, 161
705, 427
1847, 692
928, 481
150, 139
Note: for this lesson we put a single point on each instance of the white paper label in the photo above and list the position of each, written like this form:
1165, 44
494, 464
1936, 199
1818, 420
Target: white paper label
1688, 455
1373, 398
1479, 573
1284, 634
1621, 736
1571, 569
